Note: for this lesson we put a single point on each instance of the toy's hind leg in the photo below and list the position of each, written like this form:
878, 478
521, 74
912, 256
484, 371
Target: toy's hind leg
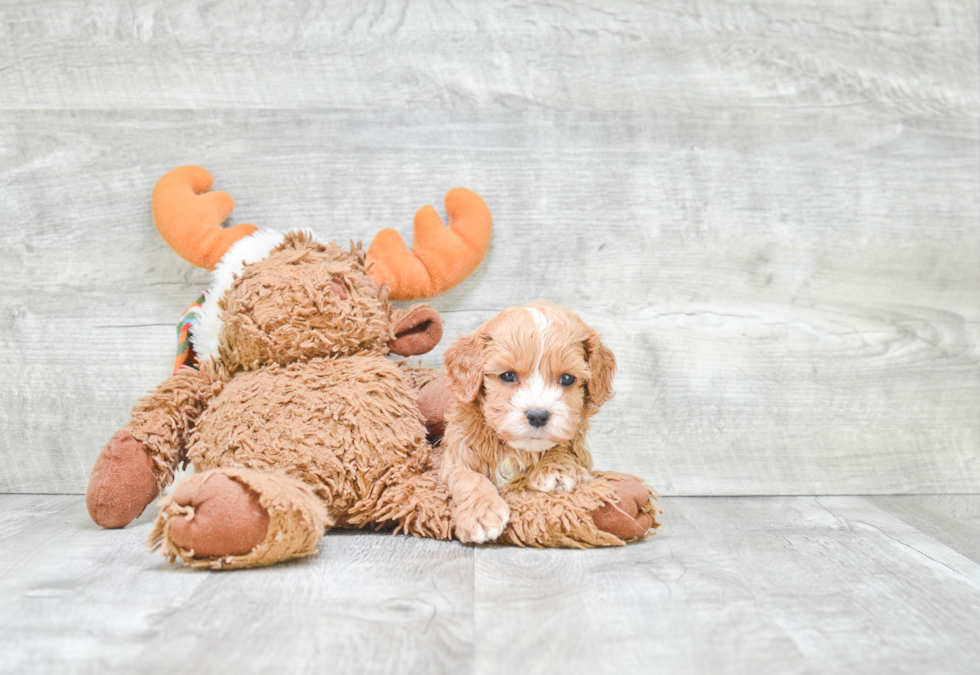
230, 518
610, 510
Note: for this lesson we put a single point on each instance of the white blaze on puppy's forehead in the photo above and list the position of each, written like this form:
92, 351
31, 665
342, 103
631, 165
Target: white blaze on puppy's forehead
535, 392
540, 318
541, 321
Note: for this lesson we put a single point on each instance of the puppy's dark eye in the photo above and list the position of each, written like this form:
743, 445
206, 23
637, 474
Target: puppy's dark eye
508, 377
566, 380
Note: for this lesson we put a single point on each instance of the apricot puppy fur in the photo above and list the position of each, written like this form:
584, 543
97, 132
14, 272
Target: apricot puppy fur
526, 382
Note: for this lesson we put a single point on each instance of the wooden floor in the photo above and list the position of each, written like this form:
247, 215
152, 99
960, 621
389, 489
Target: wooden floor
730, 585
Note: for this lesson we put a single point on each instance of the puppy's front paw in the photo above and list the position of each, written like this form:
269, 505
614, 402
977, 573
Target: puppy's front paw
482, 521
553, 480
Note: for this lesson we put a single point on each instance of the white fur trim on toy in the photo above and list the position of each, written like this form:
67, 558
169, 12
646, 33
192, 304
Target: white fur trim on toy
247, 250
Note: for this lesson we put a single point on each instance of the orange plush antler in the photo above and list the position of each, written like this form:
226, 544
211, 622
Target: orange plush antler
441, 257
189, 217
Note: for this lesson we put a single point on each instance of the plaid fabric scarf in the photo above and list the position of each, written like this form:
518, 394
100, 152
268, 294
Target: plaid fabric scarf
185, 352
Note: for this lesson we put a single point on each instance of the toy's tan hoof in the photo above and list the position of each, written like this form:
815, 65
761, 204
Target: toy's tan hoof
632, 516
122, 482
223, 517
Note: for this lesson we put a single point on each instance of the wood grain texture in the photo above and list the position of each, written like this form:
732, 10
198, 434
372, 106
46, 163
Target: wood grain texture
75, 598
771, 210
738, 585
614, 55
952, 519
729, 585
22, 512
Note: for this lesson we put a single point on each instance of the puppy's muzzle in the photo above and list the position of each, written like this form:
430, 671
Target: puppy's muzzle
537, 418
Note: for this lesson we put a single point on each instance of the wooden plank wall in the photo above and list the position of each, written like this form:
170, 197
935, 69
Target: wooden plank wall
770, 209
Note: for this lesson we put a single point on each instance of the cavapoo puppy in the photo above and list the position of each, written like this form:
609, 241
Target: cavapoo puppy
526, 383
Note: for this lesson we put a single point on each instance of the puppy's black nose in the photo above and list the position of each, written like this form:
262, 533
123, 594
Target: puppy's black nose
537, 418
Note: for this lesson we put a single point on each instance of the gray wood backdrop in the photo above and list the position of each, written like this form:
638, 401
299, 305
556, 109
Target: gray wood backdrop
770, 209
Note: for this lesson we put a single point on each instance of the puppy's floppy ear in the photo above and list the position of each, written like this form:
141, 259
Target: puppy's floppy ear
602, 368
464, 365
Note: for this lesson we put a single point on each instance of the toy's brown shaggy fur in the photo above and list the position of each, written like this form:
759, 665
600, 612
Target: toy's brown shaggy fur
306, 300
304, 412
349, 428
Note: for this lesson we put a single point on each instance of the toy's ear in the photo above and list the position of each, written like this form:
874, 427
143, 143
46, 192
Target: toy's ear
415, 332
464, 362
602, 368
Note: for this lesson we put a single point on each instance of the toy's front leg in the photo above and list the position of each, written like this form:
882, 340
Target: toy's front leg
122, 483
139, 461
436, 399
